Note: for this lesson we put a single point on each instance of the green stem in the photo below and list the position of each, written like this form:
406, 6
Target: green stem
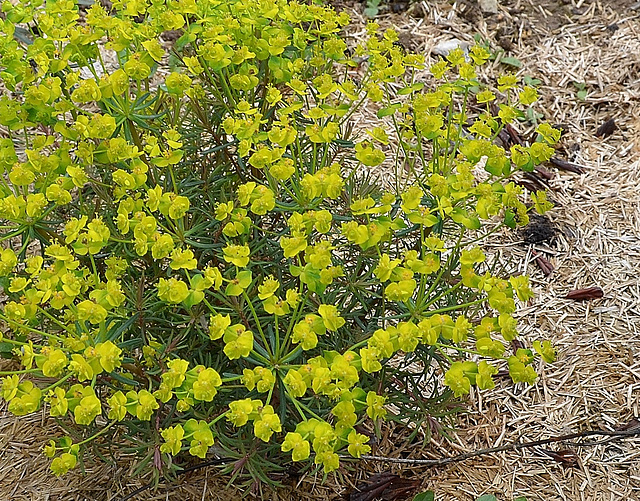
255, 317
96, 435
56, 321
482, 237
297, 406
12, 234
22, 371
257, 355
13, 341
441, 346
461, 121
277, 349
30, 329
217, 418
445, 293
444, 268
294, 320
448, 140
95, 269
300, 404
358, 344
456, 307
445, 355
57, 383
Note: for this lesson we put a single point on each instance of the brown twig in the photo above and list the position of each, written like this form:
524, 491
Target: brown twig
567, 166
510, 447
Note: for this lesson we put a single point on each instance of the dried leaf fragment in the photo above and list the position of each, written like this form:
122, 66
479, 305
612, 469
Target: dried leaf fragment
531, 183
543, 263
516, 344
514, 136
566, 457
607, 128
585, 294
630, 426
544, 173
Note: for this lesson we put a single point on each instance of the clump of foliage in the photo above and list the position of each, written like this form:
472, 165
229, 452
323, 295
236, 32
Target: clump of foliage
191, 256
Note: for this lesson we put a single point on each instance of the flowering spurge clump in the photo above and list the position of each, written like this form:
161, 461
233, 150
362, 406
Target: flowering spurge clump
193, 258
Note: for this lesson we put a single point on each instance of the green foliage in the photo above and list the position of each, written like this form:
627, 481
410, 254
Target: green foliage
373, 8
424, 496
581, 90
531, 81
195, 259
509, 61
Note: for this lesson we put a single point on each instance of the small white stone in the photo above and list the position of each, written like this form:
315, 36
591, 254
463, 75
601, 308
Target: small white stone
488, 6
443, 48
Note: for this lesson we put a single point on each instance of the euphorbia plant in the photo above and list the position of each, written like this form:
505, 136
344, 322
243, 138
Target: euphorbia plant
194, 258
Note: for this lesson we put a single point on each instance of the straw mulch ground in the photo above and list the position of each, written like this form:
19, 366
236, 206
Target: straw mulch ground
596, 380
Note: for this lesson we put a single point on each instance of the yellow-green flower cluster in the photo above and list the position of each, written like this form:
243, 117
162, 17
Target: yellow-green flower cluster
252, 280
